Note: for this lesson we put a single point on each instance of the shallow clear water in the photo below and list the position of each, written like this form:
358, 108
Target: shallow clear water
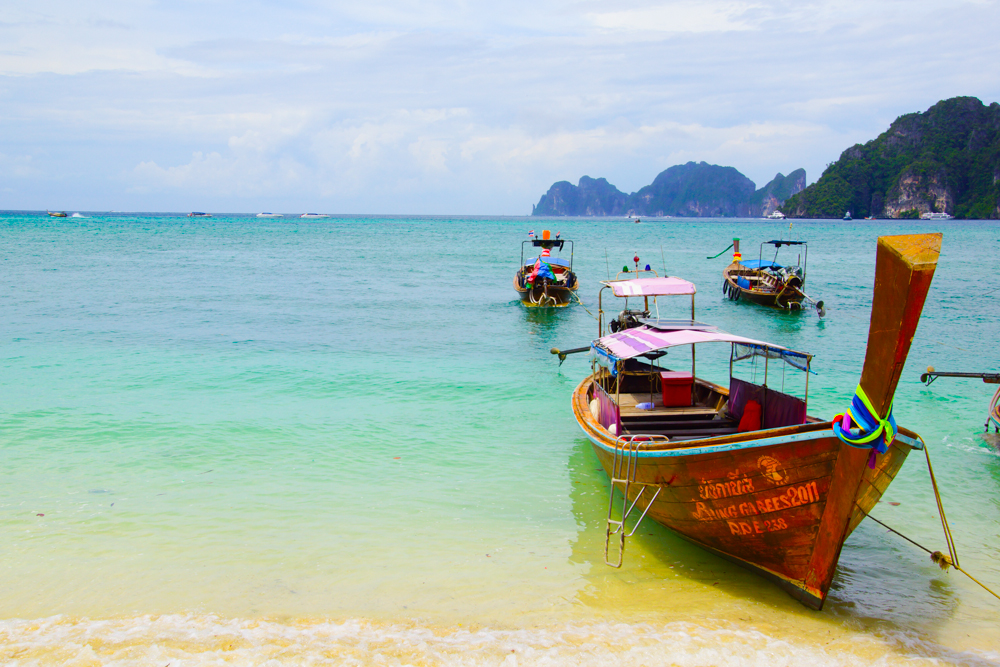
345, 441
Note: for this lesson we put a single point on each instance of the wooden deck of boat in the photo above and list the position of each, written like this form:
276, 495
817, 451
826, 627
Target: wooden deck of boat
627, 403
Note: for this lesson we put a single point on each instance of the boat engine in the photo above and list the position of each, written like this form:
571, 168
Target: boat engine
627, 319
790, 275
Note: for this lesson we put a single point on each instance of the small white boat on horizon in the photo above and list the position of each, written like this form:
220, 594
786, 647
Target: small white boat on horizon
936, 216
313, 216
270, 215
776, 215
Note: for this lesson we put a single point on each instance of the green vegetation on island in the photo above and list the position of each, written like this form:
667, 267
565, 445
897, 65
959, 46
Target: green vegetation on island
945, 160
592, 197
695, 189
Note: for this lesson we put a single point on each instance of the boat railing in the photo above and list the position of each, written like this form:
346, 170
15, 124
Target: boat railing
625, 460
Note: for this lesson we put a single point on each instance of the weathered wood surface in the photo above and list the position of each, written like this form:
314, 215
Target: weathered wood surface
761, 506
904, 267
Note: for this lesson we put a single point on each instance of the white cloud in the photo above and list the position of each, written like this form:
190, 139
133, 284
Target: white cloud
451, 107
18, 166
393, 155
696, 16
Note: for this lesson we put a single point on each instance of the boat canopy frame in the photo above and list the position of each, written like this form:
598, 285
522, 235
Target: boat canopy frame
548, 244
777, 243
657, 342
654, 286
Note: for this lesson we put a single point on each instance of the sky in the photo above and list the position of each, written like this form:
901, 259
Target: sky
448, 107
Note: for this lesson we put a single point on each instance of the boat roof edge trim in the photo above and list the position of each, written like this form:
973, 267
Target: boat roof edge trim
660, 286
636, 342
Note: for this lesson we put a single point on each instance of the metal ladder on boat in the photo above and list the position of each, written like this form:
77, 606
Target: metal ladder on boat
624, 461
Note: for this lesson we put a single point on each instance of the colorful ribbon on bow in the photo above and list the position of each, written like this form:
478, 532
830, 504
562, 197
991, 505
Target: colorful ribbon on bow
871, 426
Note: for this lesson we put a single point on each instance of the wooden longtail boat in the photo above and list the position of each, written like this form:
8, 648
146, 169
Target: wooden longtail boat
767, 282
781, 497
537, 290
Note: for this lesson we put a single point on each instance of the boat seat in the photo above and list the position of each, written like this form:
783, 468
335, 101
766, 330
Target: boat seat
661, 412
706, 417
688, 424
674, 434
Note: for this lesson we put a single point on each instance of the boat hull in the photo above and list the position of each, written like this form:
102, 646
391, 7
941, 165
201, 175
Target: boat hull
780, 502
545, 296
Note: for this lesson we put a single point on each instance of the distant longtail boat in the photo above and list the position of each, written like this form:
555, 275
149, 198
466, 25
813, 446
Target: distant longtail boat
543, 280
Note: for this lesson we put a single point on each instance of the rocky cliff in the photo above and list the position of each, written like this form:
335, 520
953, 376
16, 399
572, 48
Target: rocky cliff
946, 160
593, 196
695, 189
769, 198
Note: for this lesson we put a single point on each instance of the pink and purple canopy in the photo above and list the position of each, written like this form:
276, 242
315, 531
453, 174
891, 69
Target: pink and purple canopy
642, 340
666, 286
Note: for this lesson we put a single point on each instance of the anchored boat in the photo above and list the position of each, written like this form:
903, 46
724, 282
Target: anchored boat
543, 280
768, 282
742, 470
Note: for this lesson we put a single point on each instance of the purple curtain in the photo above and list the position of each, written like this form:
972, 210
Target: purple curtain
609, 410
783, 410
779, 409
741, 391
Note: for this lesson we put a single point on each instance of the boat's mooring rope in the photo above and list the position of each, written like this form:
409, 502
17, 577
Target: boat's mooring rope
944, 561
573, 294
714, 256
944, 521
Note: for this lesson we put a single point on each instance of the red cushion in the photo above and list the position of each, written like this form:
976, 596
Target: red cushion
750, 421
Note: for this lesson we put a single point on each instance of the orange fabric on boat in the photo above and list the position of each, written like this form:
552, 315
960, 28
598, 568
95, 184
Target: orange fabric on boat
750, 421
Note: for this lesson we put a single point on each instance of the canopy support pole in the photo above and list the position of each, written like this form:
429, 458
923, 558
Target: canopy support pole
806, 397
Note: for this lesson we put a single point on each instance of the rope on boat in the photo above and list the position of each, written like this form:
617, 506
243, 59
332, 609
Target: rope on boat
544, 301
573, 294
870, 424
944, 561
944, 521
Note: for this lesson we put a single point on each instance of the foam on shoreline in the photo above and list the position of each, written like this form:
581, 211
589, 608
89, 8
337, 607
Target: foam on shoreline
181, 639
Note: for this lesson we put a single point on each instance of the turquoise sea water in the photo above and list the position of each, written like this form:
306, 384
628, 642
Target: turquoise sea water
229, 441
